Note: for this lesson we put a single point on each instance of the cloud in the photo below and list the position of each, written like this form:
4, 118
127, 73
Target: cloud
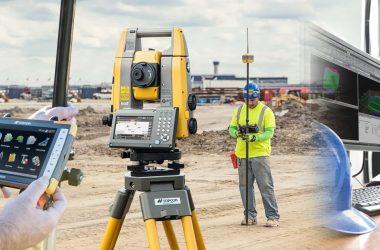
279, 9
214, 30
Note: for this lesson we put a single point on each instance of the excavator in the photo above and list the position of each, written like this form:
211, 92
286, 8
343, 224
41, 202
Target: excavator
290, 97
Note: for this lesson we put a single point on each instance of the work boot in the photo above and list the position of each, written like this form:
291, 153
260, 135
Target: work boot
251, 221
272, 222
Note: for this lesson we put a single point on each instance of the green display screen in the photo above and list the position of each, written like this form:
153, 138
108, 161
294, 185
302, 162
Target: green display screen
331, 79
369, 96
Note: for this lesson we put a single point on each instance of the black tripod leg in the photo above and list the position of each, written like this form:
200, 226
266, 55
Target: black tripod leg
194, 219
118, 211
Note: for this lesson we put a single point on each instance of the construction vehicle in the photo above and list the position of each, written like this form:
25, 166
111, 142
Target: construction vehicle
26, 96
102, 95
291, 96
74, 97
3, 97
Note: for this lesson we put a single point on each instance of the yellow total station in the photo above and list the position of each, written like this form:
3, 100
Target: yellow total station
152, 75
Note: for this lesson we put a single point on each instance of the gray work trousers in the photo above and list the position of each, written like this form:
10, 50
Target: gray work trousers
259, 170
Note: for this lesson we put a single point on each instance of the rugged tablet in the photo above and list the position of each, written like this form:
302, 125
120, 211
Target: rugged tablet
30, 149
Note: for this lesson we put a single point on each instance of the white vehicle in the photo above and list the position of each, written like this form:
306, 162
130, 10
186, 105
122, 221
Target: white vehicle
26, 96
105, 96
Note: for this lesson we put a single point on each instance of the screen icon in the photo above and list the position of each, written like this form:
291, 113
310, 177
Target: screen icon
36, 161
44, 142
12, 157
31, 140
20, 139
24, 159
8, 137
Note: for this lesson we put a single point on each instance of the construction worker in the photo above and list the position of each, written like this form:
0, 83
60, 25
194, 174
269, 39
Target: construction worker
22, 223
262, 124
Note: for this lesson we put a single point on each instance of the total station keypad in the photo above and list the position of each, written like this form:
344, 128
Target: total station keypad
164, 125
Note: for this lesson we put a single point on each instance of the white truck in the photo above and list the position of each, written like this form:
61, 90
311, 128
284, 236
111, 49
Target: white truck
102, 95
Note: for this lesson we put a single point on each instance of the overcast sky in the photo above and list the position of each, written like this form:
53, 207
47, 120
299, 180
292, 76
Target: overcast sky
214, 30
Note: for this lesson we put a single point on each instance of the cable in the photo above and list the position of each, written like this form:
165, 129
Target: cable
367, 16
361, 184
362, 168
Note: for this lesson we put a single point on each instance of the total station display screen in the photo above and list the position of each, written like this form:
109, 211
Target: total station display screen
133, 127
23, 151
333, 81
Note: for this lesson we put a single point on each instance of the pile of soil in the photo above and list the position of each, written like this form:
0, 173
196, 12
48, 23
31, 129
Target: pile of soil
18, 112
92, 137
294, 131
90, 125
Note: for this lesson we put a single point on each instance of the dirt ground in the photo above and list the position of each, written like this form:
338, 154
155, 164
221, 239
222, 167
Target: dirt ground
213, 182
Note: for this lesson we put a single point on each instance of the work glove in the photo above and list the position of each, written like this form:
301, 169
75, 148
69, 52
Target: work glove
252, 138
249, 138
23, 224
63, 113
238, 134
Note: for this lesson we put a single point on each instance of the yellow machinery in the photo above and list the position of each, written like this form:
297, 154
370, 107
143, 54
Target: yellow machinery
3, 97
149, 135
291, 96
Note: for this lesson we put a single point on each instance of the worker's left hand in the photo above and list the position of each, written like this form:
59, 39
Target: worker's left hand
63, 113
249, 138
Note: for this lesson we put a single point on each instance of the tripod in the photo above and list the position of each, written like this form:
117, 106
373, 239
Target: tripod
165, 198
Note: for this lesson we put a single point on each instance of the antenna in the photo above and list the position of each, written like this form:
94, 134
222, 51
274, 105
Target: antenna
247, 42
248, 58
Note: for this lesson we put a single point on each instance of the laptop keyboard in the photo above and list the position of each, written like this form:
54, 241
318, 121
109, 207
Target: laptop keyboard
367, 199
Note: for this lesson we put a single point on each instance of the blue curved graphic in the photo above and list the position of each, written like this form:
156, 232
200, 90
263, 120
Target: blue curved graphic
342, 217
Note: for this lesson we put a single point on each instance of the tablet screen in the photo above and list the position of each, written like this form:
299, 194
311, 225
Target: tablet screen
23, 152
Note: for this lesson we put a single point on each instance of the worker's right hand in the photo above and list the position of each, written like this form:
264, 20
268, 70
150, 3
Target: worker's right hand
63, 113
240, 133
237, 133
23, 223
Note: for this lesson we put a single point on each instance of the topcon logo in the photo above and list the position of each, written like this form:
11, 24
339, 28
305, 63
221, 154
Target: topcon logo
167, 201
22, 123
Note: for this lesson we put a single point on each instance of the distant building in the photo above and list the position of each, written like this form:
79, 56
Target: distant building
231, 81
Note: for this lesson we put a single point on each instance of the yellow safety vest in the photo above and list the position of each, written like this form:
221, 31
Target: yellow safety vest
259, 148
